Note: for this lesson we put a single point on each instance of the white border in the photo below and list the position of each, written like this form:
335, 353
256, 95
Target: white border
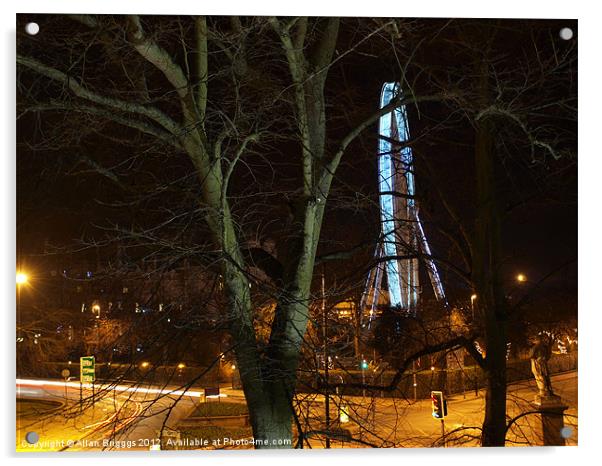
589, 225
437, 8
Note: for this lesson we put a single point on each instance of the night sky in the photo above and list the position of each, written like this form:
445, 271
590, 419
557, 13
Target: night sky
60, 196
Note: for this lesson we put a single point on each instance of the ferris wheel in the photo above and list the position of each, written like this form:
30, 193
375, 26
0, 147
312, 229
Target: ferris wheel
402, 244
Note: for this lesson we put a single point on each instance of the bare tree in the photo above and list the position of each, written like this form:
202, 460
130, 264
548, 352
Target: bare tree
519, 102
216, 137
213, 99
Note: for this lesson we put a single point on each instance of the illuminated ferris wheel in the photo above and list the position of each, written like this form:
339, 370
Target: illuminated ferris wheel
402, 239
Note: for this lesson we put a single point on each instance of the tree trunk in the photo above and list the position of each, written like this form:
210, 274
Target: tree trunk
272, 419
494, 425
486, 276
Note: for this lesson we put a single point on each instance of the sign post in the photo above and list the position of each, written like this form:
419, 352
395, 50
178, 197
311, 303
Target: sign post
65, 374
87, 374
211, 392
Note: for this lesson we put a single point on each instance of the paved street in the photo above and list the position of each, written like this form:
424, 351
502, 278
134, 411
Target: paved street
128, 418
405, 423
121, 418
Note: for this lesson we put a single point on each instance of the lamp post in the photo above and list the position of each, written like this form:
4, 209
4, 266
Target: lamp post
414, 381
520, 279
473, 298
21, 279
233, 367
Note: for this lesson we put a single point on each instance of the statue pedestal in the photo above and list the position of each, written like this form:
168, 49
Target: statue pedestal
552, 418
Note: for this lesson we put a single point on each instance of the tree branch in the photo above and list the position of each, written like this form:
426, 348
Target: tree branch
202, 67
140, 125
80, 91
251, 138
330, 167
324, 51
158, 57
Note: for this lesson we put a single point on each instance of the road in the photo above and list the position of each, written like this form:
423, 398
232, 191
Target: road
392, 422
111, 417
127, 417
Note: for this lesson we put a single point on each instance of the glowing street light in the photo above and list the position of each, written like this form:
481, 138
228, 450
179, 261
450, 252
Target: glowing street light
181, 365
521, 278
22, 278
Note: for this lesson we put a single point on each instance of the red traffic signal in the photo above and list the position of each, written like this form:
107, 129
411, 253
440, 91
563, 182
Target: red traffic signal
438, 404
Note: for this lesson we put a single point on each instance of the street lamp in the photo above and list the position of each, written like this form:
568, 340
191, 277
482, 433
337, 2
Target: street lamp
22, 280
521, 278
181, 367
473, 298
233, 374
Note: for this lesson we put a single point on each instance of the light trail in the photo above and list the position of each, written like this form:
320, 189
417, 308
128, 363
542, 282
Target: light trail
117, 388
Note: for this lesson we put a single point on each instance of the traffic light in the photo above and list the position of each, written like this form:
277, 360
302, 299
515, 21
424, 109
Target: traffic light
363, 365
438, 404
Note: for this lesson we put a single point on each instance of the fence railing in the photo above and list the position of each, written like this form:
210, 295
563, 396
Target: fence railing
420, 384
